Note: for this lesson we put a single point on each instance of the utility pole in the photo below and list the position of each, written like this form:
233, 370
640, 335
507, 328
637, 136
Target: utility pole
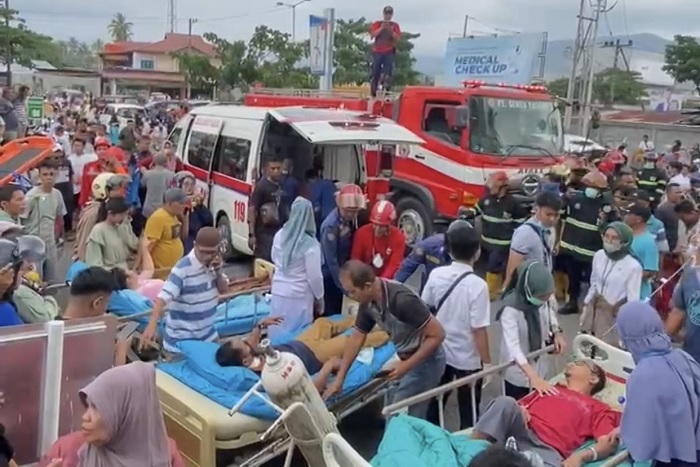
588, 101
172, 15
466, 25
619, 52
8, 52
190, 23
580, 86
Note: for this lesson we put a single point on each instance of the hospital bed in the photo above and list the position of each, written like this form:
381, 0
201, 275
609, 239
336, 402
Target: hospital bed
617, 364
198, 419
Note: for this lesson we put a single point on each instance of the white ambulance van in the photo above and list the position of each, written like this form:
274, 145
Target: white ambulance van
225, 146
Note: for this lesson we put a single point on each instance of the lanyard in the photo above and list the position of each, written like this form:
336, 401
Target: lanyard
606, 274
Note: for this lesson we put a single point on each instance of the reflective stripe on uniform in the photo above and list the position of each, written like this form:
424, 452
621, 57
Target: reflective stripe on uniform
494, 241
581, 225
576, 249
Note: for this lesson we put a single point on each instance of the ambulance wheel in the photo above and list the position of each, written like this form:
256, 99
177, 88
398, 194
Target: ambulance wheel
414, 220
226, 246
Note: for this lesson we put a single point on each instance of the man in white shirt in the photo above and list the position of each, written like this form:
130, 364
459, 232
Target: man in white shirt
646, 145
679, 175
78, 158
460, 300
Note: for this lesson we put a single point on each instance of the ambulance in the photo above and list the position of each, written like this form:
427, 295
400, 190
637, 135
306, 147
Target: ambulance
226, 146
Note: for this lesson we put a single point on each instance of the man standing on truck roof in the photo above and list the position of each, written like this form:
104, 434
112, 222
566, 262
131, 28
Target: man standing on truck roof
386, 35
501, 214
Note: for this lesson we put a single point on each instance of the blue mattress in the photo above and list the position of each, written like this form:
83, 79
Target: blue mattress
227, 385
236, 316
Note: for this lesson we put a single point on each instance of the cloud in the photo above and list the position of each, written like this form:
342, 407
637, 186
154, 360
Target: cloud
87, 19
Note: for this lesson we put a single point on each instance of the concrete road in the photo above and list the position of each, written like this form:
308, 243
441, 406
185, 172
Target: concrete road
364, 428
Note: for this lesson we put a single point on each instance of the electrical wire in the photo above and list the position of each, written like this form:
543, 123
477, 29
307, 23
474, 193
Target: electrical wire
51, 16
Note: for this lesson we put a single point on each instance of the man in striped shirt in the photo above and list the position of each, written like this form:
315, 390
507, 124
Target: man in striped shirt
190, 295
20, 103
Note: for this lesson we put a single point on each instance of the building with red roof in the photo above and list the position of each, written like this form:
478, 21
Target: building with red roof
151, 66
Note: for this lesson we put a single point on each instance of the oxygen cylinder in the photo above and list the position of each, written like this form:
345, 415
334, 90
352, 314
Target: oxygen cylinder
286, 381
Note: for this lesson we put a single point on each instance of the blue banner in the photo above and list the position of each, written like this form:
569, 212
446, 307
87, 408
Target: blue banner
318, 37
506, 59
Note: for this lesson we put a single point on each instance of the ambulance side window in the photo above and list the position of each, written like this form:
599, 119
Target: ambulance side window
200, 149
232, 157
175, 137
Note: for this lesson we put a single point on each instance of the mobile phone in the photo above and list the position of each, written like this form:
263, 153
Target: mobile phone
382, 374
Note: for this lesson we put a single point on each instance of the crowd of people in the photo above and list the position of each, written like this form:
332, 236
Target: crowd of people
608, 243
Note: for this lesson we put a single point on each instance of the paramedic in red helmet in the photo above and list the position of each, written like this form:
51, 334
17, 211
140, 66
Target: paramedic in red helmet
380, 243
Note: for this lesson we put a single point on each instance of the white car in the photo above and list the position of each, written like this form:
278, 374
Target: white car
124, 113
578, 144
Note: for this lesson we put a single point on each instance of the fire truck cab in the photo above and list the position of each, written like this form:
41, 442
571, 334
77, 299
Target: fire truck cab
469, 133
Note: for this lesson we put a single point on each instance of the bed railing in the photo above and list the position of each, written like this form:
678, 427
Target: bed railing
440, 392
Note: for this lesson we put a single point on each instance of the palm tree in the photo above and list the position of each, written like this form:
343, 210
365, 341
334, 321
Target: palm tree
120, 29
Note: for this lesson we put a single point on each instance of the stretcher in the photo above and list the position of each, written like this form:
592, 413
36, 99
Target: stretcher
207, 435
20, 156
617, 364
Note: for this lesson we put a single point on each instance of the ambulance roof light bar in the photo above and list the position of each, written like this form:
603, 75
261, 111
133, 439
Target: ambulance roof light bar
523, 87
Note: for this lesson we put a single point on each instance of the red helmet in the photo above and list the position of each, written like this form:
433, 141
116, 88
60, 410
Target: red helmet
101, 141
383, 213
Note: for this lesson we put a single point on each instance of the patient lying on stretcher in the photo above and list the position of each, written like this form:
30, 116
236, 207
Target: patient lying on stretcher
554, 426
320, 347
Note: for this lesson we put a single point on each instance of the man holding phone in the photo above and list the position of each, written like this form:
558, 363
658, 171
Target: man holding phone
386, 35
190, 295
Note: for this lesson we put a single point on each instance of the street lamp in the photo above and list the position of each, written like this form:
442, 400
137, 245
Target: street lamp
293, 6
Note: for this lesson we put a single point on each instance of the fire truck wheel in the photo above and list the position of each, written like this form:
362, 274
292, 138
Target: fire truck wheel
226, 246
415, 220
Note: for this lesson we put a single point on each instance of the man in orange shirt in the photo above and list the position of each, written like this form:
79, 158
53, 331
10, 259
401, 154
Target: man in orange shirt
380, 243
386, 35
108, 161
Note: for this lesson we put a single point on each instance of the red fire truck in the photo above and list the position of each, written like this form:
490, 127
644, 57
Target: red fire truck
469, 133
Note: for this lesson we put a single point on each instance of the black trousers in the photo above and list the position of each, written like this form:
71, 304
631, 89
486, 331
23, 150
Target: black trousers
464, 398
516, 392
332, 297
579, 272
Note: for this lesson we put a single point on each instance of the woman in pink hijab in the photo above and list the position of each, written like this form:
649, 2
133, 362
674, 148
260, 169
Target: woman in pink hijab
122, 425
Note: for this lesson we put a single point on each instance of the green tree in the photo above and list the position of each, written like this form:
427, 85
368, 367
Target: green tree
76, 54
613, 86
558, 87
236, 70
683, 60
353, 58
610, 86
201, 74
23, 44
120, 30
278, 60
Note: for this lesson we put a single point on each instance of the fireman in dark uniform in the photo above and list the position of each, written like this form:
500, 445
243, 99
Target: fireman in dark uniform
584, 215
501, 214
652, 179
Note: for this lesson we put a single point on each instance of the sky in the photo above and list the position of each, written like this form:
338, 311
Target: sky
87, 20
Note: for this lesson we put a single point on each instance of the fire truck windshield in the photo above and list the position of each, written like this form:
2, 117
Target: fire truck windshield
515, 127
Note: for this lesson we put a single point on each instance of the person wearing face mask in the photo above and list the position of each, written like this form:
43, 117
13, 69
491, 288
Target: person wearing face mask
536, 238
380, 243
616, 279
584, 215
337, 232
529, 323
501, 214
652, 179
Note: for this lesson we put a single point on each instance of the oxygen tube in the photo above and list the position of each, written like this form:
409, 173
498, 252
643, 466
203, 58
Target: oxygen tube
691, 251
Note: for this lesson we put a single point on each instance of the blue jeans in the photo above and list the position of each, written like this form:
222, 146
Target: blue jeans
423, 377
382, 64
